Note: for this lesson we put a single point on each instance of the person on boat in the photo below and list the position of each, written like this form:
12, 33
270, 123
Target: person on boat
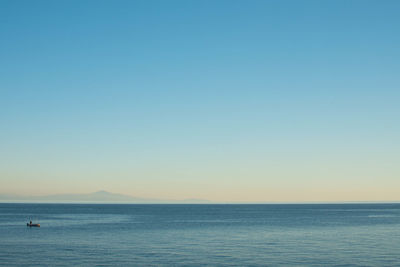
30, 223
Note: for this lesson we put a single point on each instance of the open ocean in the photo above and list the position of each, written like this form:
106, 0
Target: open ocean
198, 235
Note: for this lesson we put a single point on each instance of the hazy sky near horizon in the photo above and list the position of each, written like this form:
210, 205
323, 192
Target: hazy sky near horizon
220, 100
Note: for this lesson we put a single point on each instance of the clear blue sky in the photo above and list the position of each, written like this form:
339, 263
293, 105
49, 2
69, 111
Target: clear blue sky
222, 100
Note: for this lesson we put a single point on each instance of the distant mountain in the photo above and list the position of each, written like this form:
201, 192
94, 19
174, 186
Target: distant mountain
96, 197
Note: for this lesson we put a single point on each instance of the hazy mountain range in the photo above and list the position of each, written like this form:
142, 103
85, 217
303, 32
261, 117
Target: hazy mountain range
96, 197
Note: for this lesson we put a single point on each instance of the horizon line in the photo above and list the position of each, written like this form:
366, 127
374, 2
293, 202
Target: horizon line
208, 203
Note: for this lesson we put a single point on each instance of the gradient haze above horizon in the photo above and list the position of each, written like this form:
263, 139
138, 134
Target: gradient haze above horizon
218, 100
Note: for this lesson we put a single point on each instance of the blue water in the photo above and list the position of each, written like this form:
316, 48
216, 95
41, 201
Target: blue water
193, 235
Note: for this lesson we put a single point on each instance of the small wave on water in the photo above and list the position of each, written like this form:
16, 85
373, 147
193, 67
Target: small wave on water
83, 219
382, 216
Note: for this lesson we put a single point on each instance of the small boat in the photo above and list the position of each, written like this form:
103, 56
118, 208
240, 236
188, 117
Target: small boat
33, 224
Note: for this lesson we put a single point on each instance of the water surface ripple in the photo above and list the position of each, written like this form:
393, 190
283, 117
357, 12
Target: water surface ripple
200, 235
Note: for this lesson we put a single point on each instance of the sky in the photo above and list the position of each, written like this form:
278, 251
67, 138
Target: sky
230, 101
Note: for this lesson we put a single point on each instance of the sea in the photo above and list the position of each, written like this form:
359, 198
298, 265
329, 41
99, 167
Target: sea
200, 235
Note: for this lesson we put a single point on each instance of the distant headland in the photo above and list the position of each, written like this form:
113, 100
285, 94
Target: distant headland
95, 197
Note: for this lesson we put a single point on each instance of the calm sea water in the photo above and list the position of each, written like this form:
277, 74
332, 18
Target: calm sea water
193, 235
